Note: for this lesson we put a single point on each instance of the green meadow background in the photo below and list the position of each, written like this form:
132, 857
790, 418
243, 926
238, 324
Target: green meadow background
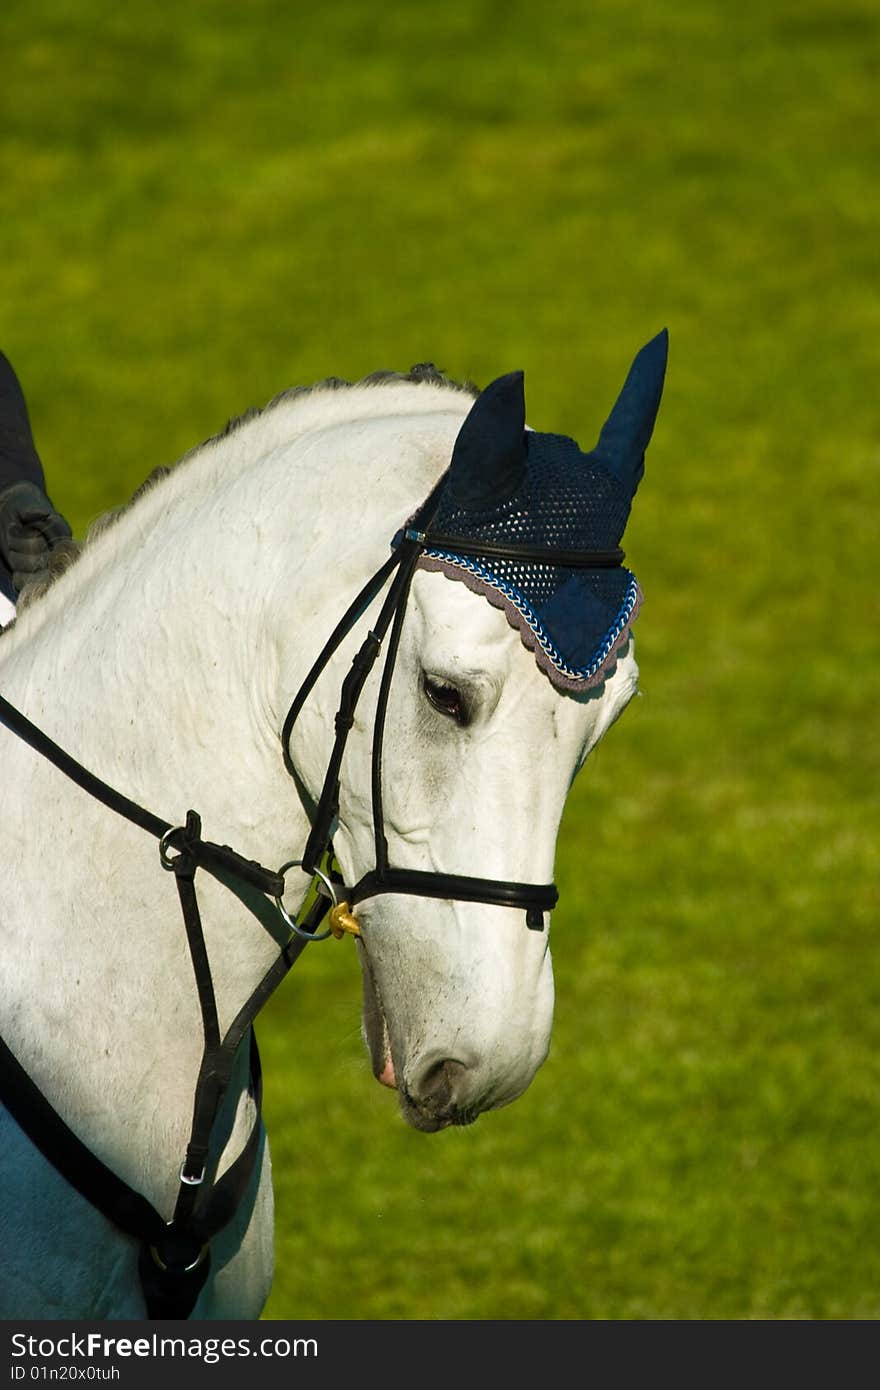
201, 204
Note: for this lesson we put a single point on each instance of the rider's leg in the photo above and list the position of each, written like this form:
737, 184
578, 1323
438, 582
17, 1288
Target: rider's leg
30, 526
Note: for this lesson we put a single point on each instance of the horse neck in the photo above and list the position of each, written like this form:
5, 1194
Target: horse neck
157, 663
146, 686
153, 671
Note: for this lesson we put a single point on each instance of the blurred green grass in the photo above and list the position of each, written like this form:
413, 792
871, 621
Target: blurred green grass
202, 205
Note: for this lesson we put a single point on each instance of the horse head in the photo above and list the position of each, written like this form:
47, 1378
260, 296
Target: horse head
164, 658
489, 710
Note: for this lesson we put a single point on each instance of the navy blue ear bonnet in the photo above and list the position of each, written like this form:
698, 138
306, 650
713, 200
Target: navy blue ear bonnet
513, 488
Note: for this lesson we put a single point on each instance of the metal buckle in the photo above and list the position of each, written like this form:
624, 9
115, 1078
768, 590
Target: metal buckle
164, 859
191, 1182
184, 1269
291, 922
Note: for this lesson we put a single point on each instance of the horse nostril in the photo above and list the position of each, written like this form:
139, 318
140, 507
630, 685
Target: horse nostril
436, 1090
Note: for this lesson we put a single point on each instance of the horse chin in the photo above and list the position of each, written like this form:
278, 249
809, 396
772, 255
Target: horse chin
378, 1042
428, 1115
430, 1119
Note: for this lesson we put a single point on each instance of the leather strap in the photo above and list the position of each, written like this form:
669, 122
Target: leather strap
175, 1257
530, 554
216, 859
536, 898
172, 1291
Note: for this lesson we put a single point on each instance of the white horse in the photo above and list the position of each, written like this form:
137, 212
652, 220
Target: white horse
165, 660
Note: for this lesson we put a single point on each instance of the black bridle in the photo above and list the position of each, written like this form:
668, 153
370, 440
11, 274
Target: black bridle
175, 1256
534, 898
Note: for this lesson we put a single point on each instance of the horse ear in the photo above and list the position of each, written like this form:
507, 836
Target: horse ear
627, 431
489, 458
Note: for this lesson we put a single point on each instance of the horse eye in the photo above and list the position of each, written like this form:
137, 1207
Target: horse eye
445, 699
